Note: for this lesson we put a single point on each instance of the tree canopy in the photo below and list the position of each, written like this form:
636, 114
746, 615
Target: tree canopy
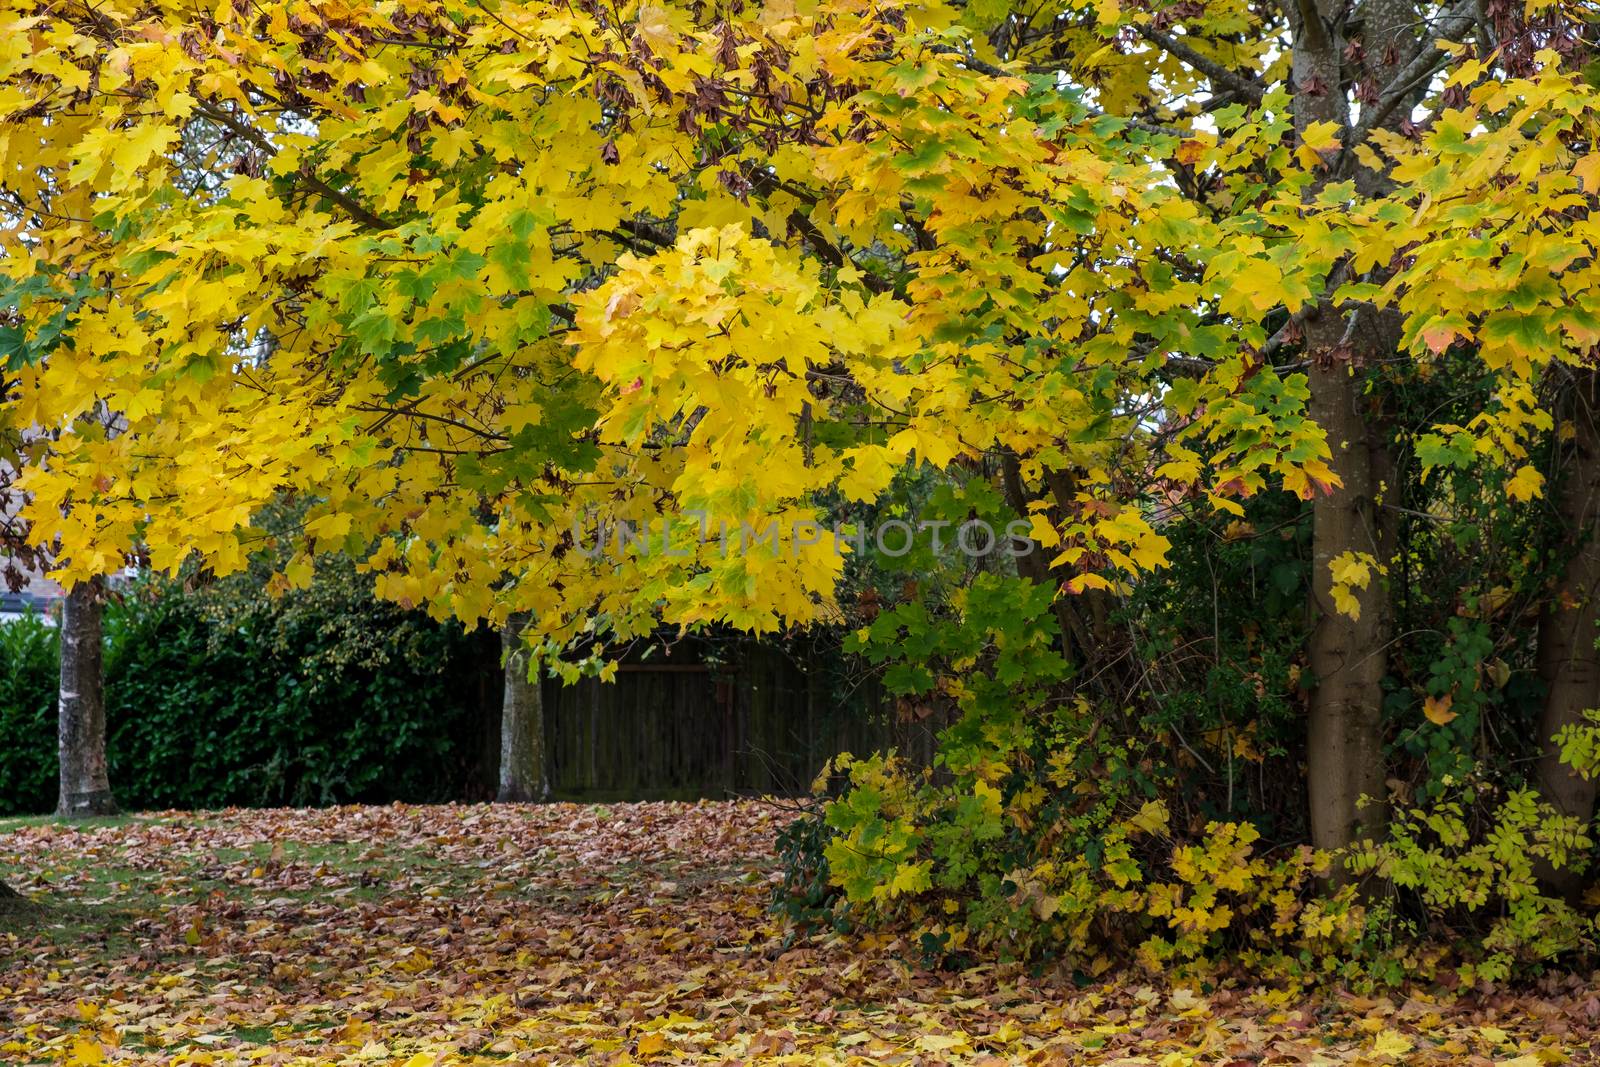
464, 273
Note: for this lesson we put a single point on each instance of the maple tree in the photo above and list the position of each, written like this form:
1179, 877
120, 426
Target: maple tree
471, 278
374, 310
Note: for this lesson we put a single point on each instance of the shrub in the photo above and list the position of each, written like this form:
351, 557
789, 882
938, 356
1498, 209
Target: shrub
28, 685
1060, 824
986, 865
228, 696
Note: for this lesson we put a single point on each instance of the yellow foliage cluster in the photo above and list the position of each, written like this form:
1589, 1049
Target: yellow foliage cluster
1122, 881
469, 278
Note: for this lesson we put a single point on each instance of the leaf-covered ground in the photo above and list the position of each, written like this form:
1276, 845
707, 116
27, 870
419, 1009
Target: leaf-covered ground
562, 934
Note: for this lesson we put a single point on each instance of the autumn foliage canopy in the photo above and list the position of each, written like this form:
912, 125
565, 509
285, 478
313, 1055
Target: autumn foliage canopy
468, 280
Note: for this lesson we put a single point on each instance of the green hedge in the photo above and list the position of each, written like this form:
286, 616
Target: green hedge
230, 697
28, 679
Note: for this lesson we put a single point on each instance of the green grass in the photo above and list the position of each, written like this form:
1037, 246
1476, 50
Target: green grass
360, 869
67, 924
78, 899
17, 822
253, 1035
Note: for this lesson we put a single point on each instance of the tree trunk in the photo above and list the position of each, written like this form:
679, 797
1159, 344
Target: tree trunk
1076, 646
85, 785
1567, 662
1344, 734
1345, 731
522, 772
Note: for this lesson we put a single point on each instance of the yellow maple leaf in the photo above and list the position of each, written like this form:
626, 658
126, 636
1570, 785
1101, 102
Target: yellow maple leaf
1437, 709
1526, 484
85, 1053
1391, 1043
1042, 530
1351, 571
1587, 171
1319, 136
137, 147
928, 445
942, 1042
870, 472
910, 878
654, 27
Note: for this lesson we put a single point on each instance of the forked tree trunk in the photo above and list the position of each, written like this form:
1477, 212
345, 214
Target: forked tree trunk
1568, 663
81, 709
522, 773
1344, 732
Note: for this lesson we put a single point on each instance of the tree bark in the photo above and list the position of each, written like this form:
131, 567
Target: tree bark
1344, 734
522, 770
1076, 645
81, 709
1567, 660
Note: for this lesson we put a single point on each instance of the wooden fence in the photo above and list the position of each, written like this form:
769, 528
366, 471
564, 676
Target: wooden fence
762, 722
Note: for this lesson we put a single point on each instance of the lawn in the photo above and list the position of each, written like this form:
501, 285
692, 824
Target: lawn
618, 934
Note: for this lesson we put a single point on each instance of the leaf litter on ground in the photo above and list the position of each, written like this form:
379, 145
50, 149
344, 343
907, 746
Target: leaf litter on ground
427, 936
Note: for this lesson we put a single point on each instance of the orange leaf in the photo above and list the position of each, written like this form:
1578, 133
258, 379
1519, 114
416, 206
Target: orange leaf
1438, 338
1437, 709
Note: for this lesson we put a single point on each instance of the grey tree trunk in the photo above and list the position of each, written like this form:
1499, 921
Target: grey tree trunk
1568, 663
81, 708
522, 770
1344, 735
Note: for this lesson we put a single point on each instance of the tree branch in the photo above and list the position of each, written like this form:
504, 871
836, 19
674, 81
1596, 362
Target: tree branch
352, 207
1312, 27
1453, 24
1219, 74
